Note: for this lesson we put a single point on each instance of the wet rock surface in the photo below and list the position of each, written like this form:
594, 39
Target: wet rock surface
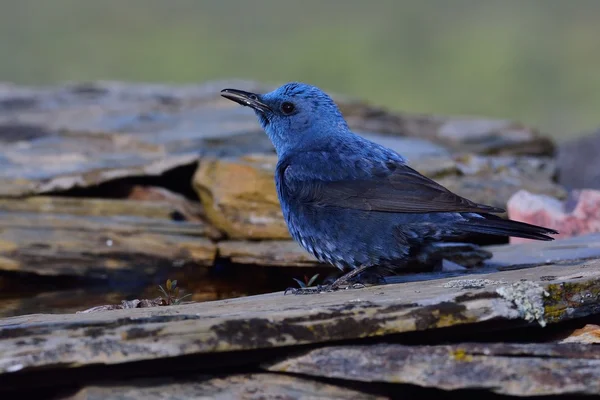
107, 189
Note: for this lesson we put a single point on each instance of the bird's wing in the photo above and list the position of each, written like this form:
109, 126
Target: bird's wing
385, 187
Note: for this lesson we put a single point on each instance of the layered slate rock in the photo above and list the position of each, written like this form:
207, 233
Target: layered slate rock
535, 253
58, 138
588, 334
276, 320
259, 386
281, 253
94, 238
477, 135
532, 369
270, 333
239, 197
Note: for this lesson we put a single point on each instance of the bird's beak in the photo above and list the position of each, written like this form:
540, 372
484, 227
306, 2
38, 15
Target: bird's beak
245, 99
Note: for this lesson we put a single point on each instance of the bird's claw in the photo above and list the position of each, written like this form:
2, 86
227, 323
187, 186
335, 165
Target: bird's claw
292, 290
322, 289
308, 290
298, 291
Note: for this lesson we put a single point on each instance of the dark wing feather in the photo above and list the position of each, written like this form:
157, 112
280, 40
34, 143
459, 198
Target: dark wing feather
396, 189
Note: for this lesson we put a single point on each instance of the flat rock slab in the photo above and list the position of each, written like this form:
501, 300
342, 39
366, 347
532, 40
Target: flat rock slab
280, 253
95, 238
538, 253
505, 368
243, 386
461, 134
277, 320
58, 138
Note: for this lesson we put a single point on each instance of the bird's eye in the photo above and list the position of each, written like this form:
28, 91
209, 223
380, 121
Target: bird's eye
287, 108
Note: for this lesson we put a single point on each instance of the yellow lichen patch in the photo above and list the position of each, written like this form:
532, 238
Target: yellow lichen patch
461, 355
564, 296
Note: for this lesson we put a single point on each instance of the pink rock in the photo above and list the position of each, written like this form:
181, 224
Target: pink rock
578, 215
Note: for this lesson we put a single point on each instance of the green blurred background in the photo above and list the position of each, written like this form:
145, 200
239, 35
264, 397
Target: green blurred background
537, 61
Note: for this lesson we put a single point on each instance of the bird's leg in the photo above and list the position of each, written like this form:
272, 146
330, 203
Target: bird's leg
341, 281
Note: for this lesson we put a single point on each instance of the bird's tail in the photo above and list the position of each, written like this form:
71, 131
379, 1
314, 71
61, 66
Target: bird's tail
493, 225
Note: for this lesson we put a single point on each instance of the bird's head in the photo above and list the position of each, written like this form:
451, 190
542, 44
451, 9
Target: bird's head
294, 115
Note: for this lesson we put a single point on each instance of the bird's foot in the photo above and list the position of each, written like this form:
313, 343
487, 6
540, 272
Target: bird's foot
342, 283
323, 288
305, 290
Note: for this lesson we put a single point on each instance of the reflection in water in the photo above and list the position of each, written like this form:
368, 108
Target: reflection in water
29, 294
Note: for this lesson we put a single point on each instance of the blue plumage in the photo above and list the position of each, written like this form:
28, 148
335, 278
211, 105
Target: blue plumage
354, 203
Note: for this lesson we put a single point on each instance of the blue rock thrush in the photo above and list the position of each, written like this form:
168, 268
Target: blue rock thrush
351, 202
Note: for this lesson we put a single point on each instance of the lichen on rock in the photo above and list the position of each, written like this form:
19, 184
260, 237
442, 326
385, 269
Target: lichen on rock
528, 298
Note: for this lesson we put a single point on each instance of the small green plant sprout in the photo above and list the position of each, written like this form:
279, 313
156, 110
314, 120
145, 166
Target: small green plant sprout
171, 293
307, 282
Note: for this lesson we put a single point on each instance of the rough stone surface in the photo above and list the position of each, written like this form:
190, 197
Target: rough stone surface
183, 208
589, 334
240, 198
76, 350
478, 135
248, 386
513, 369
81, 135
578, 215
493, 180
281, 253
538, 253
95, 238
472, 283
275, 320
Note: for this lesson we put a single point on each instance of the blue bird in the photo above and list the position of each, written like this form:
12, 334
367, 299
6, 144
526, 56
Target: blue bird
351, 202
